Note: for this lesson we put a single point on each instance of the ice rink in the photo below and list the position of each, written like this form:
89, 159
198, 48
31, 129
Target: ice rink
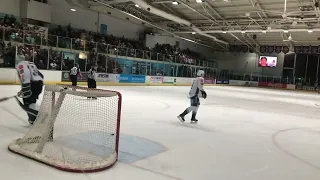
242, 134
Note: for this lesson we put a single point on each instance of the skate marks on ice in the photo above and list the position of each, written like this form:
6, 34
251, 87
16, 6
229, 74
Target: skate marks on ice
196, 126
4, 109
301, 144
7, 117
6, 126
138, 106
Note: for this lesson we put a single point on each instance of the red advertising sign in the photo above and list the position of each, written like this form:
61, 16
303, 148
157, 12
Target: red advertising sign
274, 85
209, 81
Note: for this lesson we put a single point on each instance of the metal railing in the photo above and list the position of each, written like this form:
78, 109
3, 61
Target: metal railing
32, 37
48, 52
260, 78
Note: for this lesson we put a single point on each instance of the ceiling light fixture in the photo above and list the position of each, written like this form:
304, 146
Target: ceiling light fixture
243, 32
224, 32
175, 2
73, 10
137, 5
193, 32
199, 1
310, 31
264, 31
285, 31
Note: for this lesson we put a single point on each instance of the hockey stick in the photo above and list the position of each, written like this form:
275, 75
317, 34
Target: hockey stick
6, 98
28, 110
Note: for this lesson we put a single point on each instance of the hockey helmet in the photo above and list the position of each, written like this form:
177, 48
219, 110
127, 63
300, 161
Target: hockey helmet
200, 73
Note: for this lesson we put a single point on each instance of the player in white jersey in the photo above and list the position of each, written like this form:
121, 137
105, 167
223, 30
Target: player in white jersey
31, 87
194, 93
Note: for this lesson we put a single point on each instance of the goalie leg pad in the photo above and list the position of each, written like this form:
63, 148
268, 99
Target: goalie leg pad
30, 109
32, 113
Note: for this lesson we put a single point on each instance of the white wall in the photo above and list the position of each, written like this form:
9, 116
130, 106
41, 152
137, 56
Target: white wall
10, 7
248, 63
58, 12
121, 28
151, 41
87, 19
39, 11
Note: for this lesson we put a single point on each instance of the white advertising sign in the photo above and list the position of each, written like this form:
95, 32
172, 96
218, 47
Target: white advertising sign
184, 80
168, 80
291, 86
156, 79
105, 77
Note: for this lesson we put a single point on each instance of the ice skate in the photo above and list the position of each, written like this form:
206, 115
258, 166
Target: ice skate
194, 121
181, 118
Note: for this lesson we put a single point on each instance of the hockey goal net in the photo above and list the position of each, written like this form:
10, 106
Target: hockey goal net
73, 132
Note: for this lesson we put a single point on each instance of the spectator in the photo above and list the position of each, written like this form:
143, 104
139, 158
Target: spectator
96, 44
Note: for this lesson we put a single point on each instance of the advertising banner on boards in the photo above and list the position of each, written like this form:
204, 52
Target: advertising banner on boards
184, 81
221, 81
209, 81
169, 80
274, 85
156, 79
128, 78
66, 78
243, 83
307, 88
105, 77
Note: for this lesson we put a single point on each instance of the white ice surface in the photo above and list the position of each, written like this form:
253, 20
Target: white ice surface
242, 134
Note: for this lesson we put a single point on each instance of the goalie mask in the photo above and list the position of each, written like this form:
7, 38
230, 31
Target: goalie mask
200, 73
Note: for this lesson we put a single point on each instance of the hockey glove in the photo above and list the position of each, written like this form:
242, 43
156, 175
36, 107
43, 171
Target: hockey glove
204, 94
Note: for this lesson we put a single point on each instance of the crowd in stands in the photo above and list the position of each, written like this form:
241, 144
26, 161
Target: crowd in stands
29, 39
105, 43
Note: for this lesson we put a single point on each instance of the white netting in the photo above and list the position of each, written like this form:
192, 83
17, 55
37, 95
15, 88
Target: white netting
72, 132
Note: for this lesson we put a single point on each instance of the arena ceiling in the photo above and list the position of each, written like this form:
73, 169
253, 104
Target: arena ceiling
220, 23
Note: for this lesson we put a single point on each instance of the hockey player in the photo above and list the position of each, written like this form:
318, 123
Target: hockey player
31, 87
194, 93
92, 79
74, 73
